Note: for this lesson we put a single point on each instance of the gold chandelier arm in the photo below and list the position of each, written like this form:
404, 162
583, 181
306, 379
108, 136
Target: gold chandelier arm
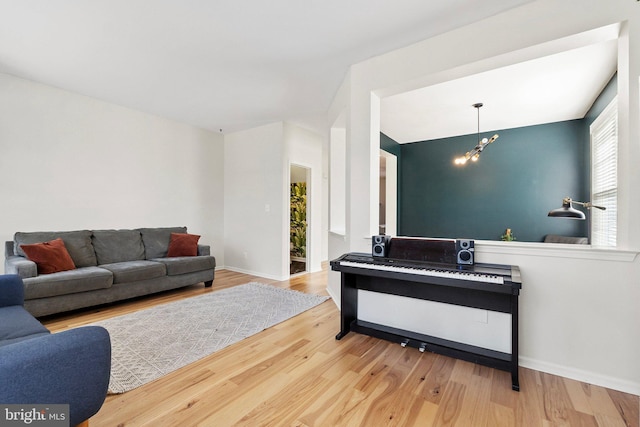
474, 154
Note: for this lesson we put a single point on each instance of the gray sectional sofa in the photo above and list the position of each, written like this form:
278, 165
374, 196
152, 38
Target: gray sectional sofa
111, 265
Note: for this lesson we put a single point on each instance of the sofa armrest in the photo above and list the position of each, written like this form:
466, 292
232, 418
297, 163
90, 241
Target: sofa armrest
21, 266
204, 250
70, 367
11, 290
8, 248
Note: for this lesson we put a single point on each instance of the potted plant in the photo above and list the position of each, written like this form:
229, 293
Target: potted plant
298, 228
508, 236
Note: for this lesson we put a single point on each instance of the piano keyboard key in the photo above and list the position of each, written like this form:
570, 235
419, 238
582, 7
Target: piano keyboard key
451, 274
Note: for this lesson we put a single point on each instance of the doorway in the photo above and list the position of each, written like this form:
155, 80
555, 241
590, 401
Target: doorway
387, 213
298, 219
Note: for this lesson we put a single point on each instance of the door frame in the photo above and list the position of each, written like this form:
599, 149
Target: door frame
391, 193
309, 217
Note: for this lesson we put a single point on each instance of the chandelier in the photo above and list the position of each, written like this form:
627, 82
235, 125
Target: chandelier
474, 154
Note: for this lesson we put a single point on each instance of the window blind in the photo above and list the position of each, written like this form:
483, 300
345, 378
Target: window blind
604, 176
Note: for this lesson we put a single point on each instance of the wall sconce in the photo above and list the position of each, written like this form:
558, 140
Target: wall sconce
474, 154
568, 211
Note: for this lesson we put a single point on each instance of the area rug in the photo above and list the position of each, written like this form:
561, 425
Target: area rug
154, 342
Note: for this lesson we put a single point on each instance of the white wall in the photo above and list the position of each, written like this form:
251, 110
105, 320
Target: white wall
337, 243
257, 164
579, 315
71, 162
254, 199
325, 200
304, 148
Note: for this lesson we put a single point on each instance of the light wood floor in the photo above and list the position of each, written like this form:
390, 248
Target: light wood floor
297, 374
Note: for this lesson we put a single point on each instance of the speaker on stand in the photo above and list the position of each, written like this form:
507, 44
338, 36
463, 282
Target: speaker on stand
465, 249
380, 245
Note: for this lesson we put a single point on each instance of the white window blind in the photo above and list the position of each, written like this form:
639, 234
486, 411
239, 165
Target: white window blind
604, 176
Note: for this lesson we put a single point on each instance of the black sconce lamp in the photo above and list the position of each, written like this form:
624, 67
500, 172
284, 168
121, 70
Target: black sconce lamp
568, 211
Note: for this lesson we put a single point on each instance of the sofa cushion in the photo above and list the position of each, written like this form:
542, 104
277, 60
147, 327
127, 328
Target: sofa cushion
17, 325
78, 244
113, 246
156, 240
182, 265
67, 282
50, 257
183, 244
133, 271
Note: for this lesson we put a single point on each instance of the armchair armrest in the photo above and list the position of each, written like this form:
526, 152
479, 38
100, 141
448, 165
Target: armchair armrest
70, 367
204, 250
11, 290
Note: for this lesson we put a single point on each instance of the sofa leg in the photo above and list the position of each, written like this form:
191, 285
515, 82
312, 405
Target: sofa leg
208, 283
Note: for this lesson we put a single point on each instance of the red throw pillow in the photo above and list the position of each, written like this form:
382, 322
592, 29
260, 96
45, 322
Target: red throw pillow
50, 257
183, 244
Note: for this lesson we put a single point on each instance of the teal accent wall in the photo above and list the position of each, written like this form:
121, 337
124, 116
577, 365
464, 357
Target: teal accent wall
606, 96
517, 181
390, 146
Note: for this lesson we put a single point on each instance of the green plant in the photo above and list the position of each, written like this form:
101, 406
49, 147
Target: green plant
508, 236
298, 227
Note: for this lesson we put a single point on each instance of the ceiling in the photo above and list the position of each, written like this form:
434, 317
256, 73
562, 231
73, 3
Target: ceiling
222, 65
552, 88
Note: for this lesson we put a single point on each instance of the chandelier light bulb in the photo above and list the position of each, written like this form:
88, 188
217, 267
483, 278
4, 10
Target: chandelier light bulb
474, 154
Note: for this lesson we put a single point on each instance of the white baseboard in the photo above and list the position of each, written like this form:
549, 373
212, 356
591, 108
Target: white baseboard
258, 273
614, 383
333, 297
255, 273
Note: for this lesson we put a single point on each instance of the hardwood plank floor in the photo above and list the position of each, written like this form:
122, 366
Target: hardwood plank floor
297, 374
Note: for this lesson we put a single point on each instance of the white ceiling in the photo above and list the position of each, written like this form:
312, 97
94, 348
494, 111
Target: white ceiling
217, 64
549, 89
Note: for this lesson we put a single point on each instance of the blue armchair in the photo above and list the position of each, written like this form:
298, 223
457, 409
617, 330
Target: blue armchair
37, 367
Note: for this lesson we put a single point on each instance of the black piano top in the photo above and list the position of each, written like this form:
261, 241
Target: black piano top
511, 274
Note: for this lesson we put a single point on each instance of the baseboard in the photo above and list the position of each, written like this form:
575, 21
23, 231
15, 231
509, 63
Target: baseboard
526, 362
258, 273
583, 376
335, 300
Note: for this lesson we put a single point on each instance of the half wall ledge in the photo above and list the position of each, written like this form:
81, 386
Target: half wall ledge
554, 250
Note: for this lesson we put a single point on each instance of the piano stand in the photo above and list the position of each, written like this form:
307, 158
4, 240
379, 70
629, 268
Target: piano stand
479, 355
500, 298
341, 335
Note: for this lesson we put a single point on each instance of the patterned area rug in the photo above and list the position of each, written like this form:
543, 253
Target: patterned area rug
154, 342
